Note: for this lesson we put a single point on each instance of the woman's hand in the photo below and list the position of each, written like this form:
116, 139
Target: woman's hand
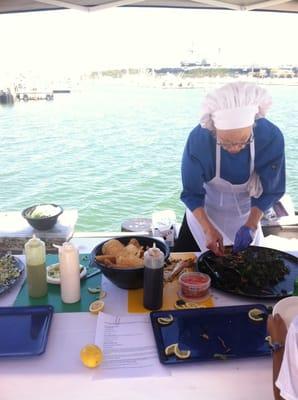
214, 241
243, 238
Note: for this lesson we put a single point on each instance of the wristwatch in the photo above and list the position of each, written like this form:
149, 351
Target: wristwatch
276, 346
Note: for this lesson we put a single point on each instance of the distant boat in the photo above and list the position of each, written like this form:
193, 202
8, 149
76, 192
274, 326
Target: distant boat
61, 91
34, 94
6, 97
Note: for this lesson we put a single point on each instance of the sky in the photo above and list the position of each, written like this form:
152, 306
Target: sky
63, 41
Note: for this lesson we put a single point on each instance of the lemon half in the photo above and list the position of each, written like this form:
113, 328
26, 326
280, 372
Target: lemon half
91, 355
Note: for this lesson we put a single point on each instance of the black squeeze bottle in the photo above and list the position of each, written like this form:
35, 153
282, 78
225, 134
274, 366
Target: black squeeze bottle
153, 278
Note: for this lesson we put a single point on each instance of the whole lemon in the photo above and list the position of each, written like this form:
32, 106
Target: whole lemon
91, 355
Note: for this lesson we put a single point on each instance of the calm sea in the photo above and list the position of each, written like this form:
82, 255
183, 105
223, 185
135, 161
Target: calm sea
113, 152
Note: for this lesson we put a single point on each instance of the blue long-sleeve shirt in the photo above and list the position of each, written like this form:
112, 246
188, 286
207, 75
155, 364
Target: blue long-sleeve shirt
198, 165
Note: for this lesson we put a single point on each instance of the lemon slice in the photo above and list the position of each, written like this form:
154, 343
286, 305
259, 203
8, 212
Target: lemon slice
96, 306
269, 340
171, 349
165, 320
180, 306
91, 355
256, 314
97, 290
182, 354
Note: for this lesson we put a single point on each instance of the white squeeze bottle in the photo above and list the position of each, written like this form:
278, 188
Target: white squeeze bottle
35, 253
69, 273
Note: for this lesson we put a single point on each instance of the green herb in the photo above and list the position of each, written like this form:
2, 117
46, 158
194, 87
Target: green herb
8, 270
256, 271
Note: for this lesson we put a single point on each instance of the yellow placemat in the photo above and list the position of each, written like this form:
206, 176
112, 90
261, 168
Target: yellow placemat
170, 296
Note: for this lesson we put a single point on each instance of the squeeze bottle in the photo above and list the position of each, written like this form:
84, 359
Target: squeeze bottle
35, 254
153, 278
69, 273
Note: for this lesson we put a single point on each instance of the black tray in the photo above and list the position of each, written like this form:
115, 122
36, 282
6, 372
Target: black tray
282, 289
20, 266
24, 330
209, 332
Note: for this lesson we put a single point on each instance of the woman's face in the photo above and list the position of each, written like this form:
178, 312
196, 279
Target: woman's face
234, 140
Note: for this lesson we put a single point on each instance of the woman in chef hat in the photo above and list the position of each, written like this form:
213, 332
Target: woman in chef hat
233, 168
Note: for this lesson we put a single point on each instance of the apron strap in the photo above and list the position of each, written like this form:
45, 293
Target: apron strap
252, 155
217, 161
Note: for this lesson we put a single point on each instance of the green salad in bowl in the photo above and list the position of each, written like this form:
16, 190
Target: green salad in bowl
42, 216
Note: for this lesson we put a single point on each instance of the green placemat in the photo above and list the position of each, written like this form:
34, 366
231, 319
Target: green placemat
53, 297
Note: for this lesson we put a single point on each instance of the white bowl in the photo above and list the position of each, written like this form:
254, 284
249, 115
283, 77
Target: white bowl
287, 308
55, 280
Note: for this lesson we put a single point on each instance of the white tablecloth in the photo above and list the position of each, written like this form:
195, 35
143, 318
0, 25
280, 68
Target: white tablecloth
59, 374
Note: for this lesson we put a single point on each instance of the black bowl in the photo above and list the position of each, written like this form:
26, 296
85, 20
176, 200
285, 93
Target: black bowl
42, 223
127, 278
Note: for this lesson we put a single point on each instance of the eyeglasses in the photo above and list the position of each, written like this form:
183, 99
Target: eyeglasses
230, 145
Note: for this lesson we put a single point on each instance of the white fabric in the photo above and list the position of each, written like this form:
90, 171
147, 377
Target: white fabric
230, 99
255, 188
235, 118
226, 205
287, 380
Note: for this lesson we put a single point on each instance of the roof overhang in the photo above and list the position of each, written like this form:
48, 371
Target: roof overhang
10, 6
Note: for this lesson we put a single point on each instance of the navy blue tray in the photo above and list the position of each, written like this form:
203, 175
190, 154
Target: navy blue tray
212, 333
24, 330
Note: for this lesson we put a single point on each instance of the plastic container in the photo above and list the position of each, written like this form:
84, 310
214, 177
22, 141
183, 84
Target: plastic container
36, 267
69, 273
194, 285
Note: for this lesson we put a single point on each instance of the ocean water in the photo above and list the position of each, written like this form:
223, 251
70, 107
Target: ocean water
113, 151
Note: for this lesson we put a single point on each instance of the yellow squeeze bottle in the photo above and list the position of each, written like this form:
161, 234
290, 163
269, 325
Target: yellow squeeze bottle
36, 267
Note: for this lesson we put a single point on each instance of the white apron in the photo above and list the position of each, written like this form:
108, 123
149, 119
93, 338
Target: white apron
227, 205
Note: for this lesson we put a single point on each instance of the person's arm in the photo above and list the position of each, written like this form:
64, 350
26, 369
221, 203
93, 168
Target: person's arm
269, 164
214, 239
254, 218
278, 332
198, 166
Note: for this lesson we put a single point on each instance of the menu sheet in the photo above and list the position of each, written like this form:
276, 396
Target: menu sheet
128, 346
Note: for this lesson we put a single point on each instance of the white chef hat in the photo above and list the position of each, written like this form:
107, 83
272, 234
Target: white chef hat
235, 105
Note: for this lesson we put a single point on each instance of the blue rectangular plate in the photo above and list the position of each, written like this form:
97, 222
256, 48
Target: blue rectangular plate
24, 330
212, 333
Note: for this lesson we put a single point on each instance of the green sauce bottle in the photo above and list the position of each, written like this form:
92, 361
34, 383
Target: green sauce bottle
36, 267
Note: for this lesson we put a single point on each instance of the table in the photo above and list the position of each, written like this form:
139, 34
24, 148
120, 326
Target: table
59, 374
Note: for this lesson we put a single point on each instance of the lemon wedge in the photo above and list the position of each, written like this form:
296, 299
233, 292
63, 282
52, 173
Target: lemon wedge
256, 314
165, 320
91, 355
96, 306
182, 354
171, 349
269, 340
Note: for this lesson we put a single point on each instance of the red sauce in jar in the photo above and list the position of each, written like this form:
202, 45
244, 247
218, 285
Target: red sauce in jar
195, 279
194, 284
